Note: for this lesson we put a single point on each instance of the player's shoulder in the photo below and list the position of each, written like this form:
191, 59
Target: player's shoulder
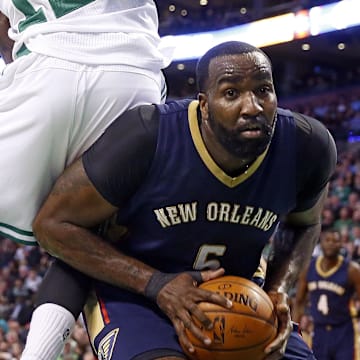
306, 125
311, 132
149, 114
354, 265
312, 129
353, 271
175, 106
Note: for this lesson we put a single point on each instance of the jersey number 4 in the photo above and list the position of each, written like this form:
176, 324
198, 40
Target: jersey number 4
323, 305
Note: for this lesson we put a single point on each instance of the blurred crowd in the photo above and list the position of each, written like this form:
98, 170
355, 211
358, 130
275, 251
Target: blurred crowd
299, 80
21, 271
198, 16
338, 110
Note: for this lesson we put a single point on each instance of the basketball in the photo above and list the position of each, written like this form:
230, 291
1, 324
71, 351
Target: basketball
239, 333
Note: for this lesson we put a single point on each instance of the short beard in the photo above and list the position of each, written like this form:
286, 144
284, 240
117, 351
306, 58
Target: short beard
242, 148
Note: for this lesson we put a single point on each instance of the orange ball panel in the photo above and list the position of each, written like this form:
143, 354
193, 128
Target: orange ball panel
241, 332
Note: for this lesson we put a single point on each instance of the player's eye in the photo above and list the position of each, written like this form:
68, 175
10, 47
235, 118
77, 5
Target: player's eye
230, 93
263, 90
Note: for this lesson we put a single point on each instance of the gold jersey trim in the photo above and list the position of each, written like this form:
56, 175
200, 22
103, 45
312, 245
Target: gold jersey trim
93, 317
330, 272
227, 180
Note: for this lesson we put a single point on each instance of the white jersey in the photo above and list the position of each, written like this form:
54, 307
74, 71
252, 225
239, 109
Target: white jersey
78, 65
126, 31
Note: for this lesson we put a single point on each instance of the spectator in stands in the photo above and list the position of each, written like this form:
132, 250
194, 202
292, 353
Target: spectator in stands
327, 219
353, 200
341, 189
354, 122
344, 223
32, 281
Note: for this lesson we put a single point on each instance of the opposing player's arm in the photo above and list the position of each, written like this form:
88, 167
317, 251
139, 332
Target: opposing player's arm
6, 44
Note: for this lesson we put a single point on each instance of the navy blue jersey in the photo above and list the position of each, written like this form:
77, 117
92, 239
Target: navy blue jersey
188, 214
330, 293
185, 212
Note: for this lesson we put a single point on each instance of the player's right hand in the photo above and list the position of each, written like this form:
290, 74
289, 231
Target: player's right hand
179, 300
276, 349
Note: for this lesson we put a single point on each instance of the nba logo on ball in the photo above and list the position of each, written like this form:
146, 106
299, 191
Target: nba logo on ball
241, 332
219, 330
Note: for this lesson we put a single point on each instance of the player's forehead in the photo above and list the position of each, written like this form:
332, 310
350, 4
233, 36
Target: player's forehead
240, 66
332, 236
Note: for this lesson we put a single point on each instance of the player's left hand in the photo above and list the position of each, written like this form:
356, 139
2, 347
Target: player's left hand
276, 349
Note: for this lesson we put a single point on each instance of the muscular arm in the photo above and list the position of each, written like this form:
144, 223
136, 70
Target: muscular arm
292, 248
295, 239
293, 245
301, 297
354, 277
75, 205
62, 228
298, 233
6, 44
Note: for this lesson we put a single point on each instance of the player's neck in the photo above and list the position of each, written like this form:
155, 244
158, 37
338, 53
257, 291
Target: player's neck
329, 262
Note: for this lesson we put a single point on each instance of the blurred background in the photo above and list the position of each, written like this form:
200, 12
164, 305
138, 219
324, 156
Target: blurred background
314, 46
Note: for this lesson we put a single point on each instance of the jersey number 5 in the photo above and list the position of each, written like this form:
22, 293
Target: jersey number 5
205, 257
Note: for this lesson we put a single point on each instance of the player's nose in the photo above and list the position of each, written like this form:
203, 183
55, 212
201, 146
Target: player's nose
250, 105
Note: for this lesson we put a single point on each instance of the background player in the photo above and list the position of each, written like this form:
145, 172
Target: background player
77, 66
330, 282
204, 186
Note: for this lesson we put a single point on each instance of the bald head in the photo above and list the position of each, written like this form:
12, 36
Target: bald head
224, 49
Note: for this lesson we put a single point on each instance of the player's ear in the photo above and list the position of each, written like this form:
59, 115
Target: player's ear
203, 105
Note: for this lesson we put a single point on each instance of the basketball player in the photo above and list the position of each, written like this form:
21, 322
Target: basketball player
199, 185
331, 282
76, 67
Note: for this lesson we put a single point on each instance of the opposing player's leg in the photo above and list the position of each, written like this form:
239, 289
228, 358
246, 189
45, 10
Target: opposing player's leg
59, 302
51, 111
36, 108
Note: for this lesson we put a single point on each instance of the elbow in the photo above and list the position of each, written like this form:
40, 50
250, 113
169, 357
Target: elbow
43, 229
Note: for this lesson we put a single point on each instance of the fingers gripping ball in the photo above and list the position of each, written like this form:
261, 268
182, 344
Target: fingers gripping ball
239, 333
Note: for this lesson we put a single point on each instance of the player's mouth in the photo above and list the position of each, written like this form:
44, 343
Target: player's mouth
252, 132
